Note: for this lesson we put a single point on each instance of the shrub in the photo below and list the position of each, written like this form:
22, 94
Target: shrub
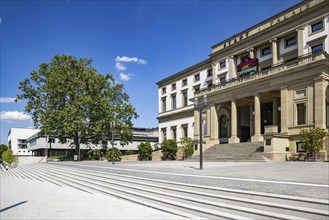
145, 151
169, 149
117, 154
129, 152
94, 154
187, 144
8, 157
312, 139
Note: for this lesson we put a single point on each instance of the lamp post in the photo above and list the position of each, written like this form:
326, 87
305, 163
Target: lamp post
79, 136
112, 142
197, 107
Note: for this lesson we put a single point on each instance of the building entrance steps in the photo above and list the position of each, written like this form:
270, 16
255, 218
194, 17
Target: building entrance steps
242, 152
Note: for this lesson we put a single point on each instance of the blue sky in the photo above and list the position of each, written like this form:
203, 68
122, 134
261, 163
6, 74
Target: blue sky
139, 42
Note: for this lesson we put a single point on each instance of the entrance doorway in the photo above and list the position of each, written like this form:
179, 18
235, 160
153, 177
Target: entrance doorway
223, 129
266, 115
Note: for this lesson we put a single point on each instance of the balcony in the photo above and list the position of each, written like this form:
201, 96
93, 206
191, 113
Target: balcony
282, 66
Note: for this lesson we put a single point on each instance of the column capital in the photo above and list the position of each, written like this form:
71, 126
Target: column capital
250, 49
274, 40
301, 28
284, 87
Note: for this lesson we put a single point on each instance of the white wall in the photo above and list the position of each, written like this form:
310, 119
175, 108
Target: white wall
178, 123
20, 133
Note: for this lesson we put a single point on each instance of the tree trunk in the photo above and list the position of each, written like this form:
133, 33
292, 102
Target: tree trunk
77, 146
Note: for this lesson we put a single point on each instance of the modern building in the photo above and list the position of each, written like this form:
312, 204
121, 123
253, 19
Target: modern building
41, 145
17, 140
263, 84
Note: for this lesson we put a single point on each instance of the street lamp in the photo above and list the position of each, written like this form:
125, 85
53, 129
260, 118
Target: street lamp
79, 136
197, 107
112, 124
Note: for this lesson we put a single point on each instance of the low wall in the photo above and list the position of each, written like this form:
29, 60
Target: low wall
21, 161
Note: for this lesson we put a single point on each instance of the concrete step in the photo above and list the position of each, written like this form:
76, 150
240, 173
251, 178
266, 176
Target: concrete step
211, 202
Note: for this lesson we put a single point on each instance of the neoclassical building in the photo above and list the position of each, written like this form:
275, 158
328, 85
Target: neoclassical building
263, 84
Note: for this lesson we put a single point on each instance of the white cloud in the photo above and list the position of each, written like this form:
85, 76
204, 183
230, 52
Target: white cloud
120, 66
7, 100
125, 77
14, 116
129, 60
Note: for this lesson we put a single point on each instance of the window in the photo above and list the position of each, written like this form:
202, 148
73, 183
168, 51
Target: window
173, 102
317, 48
164, 133
210, 84
173, 87
299, 147
222, 80
291, 41
164, 105
205, 129
222, 64
184, 98
164, 90
266, 51
209, 73
185, 131
63, 140
174, 133
197, 77
301, 113
51, 140
184, 82
245, 57
317, 26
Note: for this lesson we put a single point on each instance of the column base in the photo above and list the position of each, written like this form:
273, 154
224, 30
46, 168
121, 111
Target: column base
234, 140
257, 138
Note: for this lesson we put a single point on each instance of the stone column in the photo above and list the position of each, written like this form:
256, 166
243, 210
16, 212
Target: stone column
196, 124
275, 112
251, 119
234, 138
232, 67
214, 72
213, 123
284, 110
251, 52
208, 121
274, 50
300, 40
320, 86
257, 135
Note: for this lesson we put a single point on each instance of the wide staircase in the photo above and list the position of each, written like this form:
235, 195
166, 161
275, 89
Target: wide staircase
242, 152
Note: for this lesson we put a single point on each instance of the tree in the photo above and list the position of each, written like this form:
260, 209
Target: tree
312, 139
3, 148
187, 144
145, 151
8, 157
68, 98
169, 149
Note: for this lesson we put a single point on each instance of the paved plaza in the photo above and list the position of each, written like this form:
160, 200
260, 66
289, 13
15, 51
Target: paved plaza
31, 199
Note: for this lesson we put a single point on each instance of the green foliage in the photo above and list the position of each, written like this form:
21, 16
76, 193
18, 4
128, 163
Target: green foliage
117, 154
94, 154
68, 96
8, 157
312, 139
169, 149
145, 151
187, 144
3, 148
129, 152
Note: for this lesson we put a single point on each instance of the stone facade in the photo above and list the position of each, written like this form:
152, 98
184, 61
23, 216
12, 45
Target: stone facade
275, 74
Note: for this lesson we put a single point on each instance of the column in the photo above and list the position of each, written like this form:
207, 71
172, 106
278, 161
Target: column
274, 50
284, 110
251, 119
208, 122
213, 123
257, 120
320, 86
196, 124
275, 111
251, 52
234, 138
300, 40
232, 67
